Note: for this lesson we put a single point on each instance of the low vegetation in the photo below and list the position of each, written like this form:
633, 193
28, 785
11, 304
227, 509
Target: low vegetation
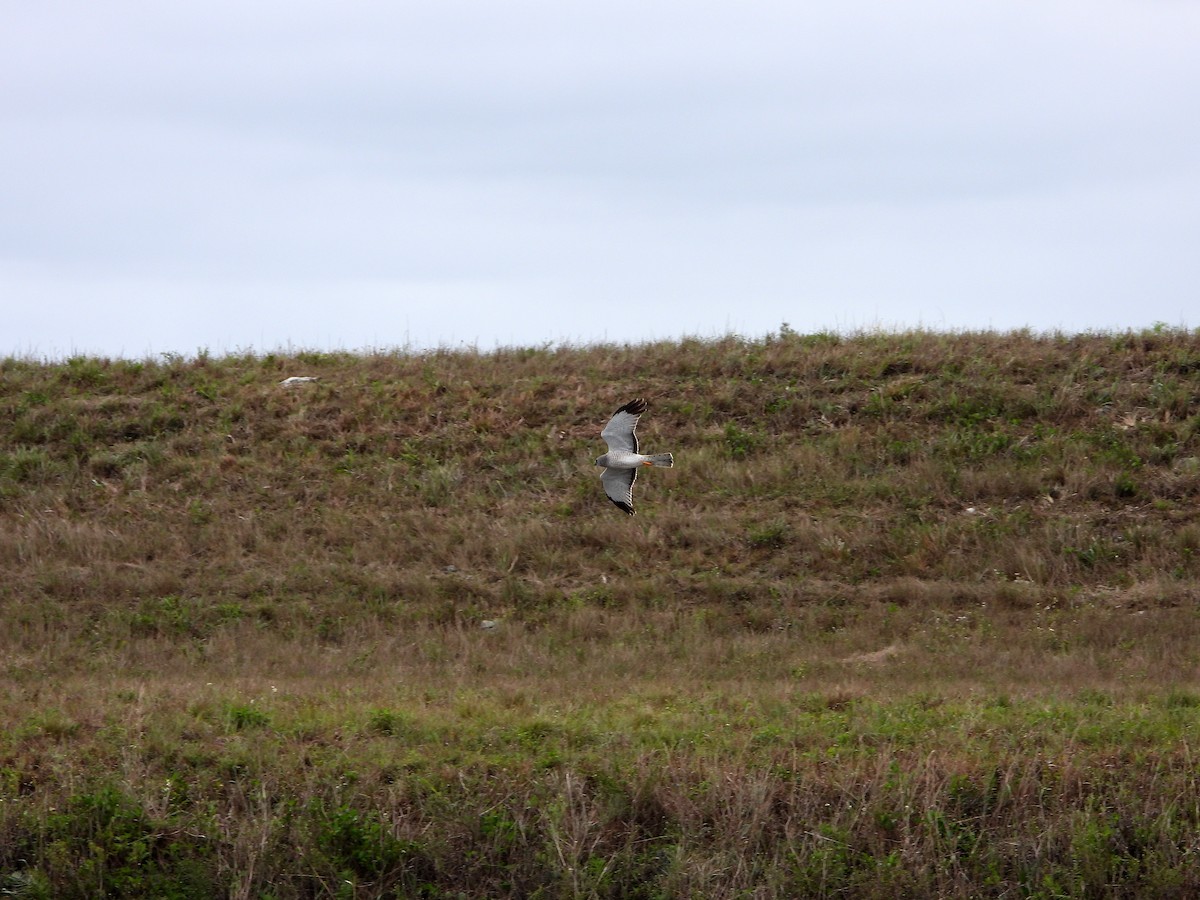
913, 615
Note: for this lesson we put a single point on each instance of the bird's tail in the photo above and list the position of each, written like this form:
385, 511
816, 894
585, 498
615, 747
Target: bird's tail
666, 460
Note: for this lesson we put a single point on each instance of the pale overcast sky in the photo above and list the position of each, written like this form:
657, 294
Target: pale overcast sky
262, 175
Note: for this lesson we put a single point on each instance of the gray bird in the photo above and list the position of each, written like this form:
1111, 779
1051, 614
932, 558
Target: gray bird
622, 461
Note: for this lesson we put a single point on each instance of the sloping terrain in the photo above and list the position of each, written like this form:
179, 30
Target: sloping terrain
913, 614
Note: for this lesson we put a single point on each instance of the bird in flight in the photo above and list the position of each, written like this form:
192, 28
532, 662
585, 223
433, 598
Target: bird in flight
622, 461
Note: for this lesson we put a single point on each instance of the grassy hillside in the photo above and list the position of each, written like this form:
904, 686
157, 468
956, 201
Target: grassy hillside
914, 614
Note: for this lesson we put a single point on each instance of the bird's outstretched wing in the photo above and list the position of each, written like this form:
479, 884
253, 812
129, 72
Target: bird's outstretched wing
619, 433
618, 484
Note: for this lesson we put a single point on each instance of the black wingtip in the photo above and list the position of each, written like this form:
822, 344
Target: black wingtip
634, 407
625, 507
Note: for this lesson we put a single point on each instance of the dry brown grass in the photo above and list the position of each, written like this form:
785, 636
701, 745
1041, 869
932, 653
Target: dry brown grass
913, 615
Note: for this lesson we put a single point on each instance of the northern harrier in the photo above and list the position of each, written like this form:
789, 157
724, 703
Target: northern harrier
622, 461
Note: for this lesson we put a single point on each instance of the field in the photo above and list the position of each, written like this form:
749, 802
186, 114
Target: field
914, 615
